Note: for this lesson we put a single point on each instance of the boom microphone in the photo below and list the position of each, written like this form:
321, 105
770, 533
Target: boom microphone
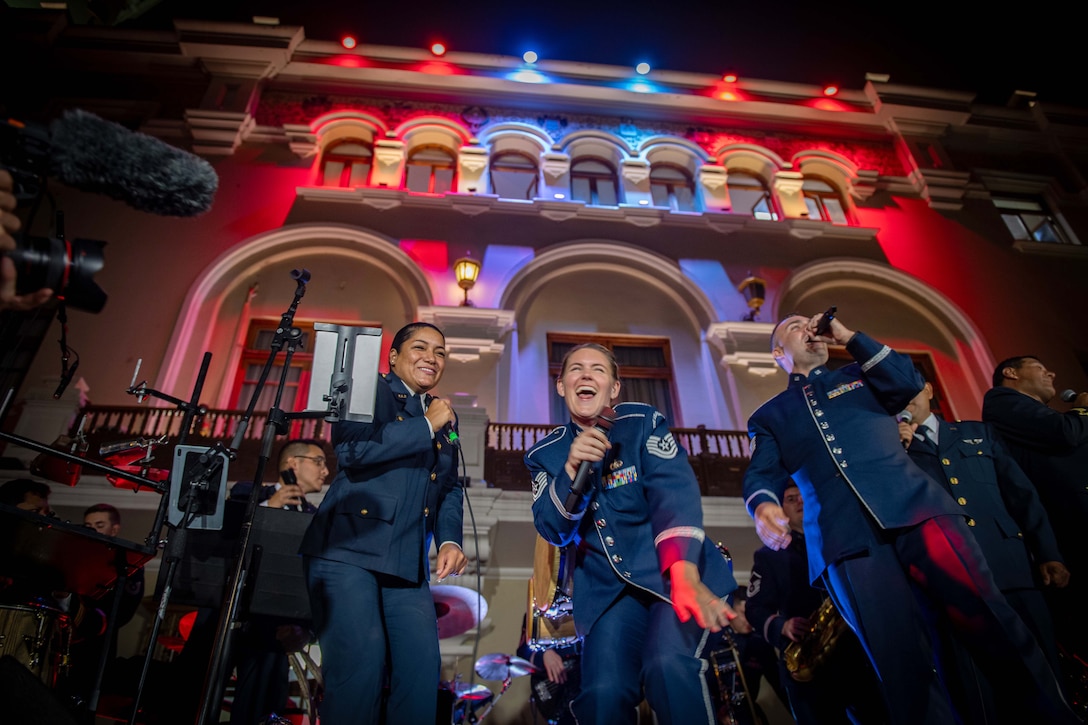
1068, 395
91, 154
605, 419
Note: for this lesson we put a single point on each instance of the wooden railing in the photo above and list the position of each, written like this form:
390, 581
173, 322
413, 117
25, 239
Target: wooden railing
105, 425
719, 457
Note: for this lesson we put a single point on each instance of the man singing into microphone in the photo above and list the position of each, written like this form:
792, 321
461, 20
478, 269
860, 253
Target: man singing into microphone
1052, 448
648, 585
892, 548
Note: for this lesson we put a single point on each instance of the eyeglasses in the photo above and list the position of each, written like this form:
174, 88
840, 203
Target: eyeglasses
319, 460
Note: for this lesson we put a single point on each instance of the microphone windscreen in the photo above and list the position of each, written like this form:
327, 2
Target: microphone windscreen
904, 416
92, 154
1068, 395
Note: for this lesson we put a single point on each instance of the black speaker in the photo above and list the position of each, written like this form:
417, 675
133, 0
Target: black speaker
25, 699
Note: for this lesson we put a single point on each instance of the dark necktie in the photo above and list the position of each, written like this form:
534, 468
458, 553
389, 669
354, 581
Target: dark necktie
923, 442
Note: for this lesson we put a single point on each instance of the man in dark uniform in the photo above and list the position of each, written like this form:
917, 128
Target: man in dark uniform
892, 548
781, 601
649, 587
1052, 449
1003, 510
261, 647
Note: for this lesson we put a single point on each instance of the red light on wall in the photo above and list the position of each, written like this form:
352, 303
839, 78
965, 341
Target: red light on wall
830, 90
730, 78
438, 49
727, 96
348, 42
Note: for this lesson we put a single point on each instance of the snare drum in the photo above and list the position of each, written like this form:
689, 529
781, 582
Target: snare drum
37, 636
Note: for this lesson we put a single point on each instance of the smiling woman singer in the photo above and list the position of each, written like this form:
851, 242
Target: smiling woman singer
366, 552
649, 586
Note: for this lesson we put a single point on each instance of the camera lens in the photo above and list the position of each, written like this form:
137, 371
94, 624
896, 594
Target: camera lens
65, 267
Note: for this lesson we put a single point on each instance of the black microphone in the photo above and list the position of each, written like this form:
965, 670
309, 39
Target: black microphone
904, 416
451, 435
605, 419
92, 154
825, 322
65, 379
1068, 395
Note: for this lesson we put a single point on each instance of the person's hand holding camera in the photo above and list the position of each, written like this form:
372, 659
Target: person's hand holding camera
9, 225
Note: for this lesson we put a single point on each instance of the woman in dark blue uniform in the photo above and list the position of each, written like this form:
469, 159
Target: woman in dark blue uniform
395, 490
649, 587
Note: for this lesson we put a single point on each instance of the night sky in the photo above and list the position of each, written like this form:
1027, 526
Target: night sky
986, 51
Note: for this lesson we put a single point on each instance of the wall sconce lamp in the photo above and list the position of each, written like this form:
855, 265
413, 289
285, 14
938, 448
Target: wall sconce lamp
466, 270
754, 290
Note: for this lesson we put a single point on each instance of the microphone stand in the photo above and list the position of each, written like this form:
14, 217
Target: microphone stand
219, 670
177, 541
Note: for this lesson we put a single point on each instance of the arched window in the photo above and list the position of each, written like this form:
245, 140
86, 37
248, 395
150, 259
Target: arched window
749, 195
673, 187
346, 163
514, 175
823, 201
430, 170
594, 182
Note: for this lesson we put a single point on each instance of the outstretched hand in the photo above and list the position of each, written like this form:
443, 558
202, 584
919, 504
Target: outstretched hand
692, 598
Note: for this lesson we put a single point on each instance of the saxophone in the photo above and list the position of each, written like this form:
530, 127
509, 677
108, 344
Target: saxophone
825, 627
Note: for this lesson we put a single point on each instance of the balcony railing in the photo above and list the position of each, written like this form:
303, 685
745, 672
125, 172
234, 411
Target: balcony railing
719, 457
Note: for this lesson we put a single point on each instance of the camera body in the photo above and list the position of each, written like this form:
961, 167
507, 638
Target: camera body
66, 267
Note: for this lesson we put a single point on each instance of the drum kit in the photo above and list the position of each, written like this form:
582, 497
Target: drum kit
45, 558
459, 610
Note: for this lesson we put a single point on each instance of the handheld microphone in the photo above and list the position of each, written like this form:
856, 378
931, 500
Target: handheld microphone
825, 322
65, 379
451, 435
605, 419
904, 416
1068, 395
91, 154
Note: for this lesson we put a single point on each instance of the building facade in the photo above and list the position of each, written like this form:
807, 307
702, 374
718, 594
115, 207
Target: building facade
640, 211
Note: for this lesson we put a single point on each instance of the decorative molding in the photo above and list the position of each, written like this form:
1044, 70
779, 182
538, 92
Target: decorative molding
745, 344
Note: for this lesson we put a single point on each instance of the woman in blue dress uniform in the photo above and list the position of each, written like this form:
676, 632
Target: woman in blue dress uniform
649, 587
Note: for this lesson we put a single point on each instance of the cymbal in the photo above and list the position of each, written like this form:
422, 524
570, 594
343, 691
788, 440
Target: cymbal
473, 693
458, 609
499, 666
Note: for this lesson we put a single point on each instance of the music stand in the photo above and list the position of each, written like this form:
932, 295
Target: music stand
345, 371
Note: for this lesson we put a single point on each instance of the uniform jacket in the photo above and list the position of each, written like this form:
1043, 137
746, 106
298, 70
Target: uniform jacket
394, 489
779, 590
1002, 506
833, 432
1052, 449
644, 513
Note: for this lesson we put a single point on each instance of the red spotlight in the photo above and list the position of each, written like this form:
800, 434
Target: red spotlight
730, 78
438, 49
830, 90
348, 42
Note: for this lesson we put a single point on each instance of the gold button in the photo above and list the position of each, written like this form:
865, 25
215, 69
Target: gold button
434, 476
961, 501
1019, 535
427, 511
946, 462
980, 453
400, 417
970, 522
438, 445
953, 480
364, 512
